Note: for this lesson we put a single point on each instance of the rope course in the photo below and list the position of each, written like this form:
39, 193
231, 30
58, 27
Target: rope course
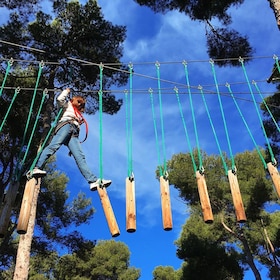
130, 180
182, 87
105, 201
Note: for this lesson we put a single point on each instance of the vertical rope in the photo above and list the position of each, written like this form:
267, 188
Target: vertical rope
127, 132
185, 128
275, 57
41, 65
53, 125
266, 106
155, 129
161, 118
129, 122
10, 63
248, 129
100, 93
222, 112
213, 129
45, 93
193, 116
17, 90
273, 160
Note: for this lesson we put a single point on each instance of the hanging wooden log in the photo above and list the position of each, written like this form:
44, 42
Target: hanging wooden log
165, 204
130, 205
7, 208
204, 198
236, 197
273, 171
26, 203
108, 211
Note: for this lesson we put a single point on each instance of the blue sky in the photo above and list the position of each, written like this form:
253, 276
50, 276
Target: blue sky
169, 39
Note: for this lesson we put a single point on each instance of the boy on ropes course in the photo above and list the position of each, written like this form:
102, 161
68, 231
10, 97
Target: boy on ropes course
67, 133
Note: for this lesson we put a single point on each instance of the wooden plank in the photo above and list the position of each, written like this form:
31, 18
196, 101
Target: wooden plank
7, 208
236, 197
204, 198
130, 205
108, 211
26, 203
165, 204
273, 171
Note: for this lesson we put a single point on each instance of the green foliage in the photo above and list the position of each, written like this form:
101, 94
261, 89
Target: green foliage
202, 247
56, 217
272, 102
225, 248
107, 260
166, 273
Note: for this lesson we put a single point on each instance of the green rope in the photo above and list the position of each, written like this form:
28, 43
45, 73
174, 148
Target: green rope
127, 132
161, 118
53, 125
41, 65
277, 62
100, 93
10, 63
266, 106
185, 128
241, 60
155, 129
223, 115
248, 129
45, 93
213, 129
193, 116
17, 90
129, 122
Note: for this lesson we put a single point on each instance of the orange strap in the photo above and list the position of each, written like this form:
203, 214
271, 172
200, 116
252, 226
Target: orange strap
81, 120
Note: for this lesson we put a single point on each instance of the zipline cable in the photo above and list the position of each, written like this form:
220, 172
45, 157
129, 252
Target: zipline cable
273, 160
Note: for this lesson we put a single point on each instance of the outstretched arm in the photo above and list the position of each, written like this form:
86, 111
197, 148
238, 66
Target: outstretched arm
61, 99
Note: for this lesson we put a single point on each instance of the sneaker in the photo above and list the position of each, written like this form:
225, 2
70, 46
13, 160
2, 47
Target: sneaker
36, 172
99, 183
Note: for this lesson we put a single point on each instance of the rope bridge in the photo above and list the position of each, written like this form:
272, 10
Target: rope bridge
179, 88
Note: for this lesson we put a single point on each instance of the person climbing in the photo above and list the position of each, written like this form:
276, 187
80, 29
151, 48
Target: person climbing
67, 133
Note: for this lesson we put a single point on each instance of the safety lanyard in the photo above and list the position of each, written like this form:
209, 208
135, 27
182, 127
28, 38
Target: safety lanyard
81, 120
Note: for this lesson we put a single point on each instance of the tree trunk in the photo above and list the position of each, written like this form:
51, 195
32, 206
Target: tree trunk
24, 247
23, 252
249, 257
275, 6
247, 251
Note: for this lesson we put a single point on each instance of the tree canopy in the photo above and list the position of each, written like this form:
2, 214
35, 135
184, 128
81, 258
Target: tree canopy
226, 247
54, 51
223, 43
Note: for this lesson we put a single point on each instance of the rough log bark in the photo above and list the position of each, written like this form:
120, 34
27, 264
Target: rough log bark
275, 6
24, 247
